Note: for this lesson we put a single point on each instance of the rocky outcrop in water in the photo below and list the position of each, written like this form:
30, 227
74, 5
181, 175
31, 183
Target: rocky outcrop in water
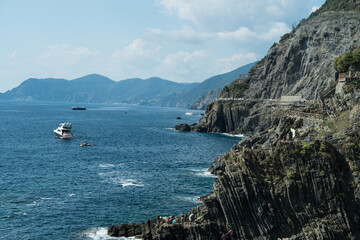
183, 127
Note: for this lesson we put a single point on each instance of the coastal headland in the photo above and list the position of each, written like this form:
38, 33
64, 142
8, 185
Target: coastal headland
296, 173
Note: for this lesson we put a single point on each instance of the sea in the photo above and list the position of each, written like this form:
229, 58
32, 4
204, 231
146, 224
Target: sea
138, 168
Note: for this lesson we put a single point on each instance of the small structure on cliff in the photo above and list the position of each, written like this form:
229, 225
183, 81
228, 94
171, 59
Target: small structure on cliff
291, 99
349, 76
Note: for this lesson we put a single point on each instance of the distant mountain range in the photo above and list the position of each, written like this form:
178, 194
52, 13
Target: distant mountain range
187, 98
95, 88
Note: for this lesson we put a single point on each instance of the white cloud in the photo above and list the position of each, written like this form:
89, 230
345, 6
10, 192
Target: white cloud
314, 8
272, 33
208, 14
184, 66
228, 15
12, 55
186, 34
63, 55
242, 34
277, 29
180, 58
227, 64
274, 10
137, 48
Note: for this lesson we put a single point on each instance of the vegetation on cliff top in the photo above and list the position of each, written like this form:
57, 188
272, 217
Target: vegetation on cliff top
236, 89
338, 6
351, 59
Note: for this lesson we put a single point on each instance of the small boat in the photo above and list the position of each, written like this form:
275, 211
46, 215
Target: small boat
79, 108
189, 113
63, 131
84, 144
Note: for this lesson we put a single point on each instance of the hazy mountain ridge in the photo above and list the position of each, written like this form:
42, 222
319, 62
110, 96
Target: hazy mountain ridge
98, 89
95, 88
186, 99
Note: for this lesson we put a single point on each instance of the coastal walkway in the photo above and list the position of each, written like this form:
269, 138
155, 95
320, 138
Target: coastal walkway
272, 101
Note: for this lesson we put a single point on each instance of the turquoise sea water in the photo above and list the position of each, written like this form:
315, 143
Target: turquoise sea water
137, 169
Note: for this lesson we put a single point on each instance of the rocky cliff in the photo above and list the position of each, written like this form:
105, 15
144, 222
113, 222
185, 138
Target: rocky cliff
302, 63
303, 187
296, 175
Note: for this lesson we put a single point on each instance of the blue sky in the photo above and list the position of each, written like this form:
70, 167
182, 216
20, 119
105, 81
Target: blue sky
179, 40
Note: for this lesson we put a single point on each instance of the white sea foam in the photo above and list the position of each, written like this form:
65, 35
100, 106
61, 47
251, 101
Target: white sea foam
198, 169
129, 182
233, 135
106, 165
202, 172
101, 234
206, 174
38, 201
109, 174
44, 198
72, 194
189, 199
117, 178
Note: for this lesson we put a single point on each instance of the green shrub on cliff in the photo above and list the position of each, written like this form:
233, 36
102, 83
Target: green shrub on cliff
351, 59
235, 89
285, 37
225, 92
239, 88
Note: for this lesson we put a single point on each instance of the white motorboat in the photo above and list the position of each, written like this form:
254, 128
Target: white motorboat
189, 113
63, 131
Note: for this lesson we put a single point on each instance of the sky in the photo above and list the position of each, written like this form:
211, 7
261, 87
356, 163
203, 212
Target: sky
178, 40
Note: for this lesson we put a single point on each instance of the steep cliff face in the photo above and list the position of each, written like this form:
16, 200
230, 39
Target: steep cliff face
239, 117
297, 191
302, 63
